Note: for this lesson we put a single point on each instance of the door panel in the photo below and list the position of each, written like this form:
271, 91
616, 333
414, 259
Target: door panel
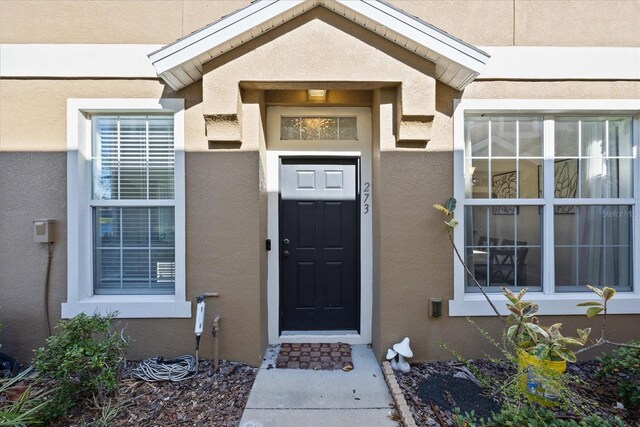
319, 242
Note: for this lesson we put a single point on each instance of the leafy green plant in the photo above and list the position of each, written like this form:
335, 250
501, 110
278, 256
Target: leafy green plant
83, 359
552, 340
26, 408
526, 333
624, 364
531, 416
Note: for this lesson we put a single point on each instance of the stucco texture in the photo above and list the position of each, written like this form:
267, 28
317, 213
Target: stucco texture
345, 55
32, 186
225, 198
223, 255
485, 23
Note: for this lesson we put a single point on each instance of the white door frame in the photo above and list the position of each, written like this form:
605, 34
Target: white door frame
278, 149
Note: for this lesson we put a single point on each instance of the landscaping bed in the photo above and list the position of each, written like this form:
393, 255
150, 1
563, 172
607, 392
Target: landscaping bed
211, 398
432, 391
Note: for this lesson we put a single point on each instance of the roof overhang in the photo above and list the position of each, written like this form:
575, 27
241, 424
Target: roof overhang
181, 63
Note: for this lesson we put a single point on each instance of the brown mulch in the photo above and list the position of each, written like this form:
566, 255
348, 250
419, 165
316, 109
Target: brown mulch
421, 392
326, 357
212, 399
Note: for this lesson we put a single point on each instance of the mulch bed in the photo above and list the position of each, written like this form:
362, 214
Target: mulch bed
431, 390
325, 357
212, 399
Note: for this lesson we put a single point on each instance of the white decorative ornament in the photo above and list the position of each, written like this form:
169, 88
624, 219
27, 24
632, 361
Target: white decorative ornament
402, 350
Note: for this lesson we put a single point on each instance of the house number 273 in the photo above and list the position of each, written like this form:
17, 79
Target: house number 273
366, 195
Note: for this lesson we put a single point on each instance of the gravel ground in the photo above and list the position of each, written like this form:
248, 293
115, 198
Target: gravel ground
597, 395
212, 399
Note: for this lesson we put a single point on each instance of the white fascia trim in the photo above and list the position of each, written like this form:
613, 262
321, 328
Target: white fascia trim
219, 32
416, 30
180, 63
77, 60
506, 63
80, 298
562, 63
474, 304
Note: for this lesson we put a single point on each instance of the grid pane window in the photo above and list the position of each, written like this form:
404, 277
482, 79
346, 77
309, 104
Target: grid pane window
503, 157
503, 246
593, 166
594, 157
133, 243
593, 247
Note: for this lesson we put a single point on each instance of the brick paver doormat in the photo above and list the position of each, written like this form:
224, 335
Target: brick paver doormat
326, 357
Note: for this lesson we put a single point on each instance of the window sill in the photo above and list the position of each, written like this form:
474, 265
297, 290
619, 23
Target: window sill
555, 304
130, 306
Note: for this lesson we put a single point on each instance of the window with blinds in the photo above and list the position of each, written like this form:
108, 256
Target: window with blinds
133, 204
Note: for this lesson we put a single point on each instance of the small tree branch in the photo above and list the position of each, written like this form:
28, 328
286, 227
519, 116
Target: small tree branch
602, 341
464, 264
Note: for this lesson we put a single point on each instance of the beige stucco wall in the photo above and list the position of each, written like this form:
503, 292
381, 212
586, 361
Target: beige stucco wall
487, 22
416, 261
224, 230
345, 56
226, 201
32, 186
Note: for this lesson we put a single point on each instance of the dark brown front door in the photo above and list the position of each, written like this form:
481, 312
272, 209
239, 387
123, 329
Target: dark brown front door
319, 246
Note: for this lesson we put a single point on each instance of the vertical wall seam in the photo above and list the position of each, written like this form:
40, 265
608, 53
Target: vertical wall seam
513, 27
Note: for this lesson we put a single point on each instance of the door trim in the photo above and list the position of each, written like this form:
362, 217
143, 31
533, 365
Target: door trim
357, 149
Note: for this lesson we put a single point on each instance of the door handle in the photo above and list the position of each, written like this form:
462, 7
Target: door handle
285, 253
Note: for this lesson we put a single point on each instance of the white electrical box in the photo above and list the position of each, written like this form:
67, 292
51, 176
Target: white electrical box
43, 230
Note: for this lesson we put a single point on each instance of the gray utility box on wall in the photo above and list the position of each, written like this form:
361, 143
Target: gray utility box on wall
43, 230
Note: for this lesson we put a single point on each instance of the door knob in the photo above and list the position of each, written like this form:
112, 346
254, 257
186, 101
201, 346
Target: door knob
285, 253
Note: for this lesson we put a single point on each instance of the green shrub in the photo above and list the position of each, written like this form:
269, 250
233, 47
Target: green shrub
624, 364
532, 416
83, 360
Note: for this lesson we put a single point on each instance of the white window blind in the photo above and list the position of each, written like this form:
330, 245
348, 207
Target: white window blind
133, 206
133, 157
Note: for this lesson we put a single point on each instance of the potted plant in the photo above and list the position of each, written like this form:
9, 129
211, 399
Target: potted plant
543, 352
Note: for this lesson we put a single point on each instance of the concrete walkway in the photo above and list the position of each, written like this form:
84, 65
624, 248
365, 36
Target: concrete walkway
309, 398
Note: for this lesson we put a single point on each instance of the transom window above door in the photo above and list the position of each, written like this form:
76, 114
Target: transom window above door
318, 128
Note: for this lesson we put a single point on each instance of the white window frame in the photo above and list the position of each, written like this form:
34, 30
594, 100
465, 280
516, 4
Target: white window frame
80, 296
551, 303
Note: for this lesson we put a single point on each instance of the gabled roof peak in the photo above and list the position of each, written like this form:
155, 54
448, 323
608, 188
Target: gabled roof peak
181, 63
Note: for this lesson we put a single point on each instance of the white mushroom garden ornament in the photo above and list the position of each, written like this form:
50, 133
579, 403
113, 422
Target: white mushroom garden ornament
391, 355
402, 350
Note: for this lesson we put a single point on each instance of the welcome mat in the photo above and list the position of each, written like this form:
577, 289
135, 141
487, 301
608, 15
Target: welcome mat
326, 357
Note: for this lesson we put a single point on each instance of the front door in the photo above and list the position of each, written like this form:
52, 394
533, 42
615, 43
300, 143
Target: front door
319, 232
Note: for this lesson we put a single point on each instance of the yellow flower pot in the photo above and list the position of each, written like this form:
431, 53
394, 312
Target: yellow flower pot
532, 381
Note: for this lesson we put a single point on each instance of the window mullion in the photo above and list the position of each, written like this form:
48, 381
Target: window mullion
548, 244
118, 144
149, 247
121, 252
636, 207
147, 163
489, 160
518, 195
